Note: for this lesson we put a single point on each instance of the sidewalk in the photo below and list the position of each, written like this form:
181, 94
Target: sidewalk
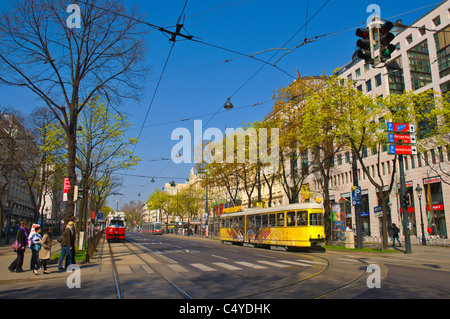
7, 255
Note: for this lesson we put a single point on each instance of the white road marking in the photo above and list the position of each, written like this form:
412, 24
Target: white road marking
203, 267
227, 266
250, 265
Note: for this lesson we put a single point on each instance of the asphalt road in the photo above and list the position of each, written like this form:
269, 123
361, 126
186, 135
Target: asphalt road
208, 269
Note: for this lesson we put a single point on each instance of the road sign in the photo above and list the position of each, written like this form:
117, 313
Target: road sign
378, 211
401, 127
356, 195
66, 188
402, 149
401, 138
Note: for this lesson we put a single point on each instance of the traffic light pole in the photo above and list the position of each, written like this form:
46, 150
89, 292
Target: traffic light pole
404, 206
357, 207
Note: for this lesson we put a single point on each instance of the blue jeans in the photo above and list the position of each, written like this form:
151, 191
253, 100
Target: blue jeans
65, 251
393, 241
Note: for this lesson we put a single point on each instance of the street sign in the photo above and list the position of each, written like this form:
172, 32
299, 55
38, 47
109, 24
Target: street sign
402, 149
356, 195
401, 138
66, 188
378, 211
401, 127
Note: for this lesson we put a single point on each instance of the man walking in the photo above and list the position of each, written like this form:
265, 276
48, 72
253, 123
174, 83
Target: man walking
66, 249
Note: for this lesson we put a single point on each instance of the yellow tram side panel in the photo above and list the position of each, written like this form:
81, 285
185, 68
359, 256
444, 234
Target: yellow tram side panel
294, 236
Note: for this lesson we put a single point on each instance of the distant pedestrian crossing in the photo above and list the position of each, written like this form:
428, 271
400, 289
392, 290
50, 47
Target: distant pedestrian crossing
211, 267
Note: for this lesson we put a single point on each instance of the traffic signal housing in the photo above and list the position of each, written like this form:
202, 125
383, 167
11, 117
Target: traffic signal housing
406, 200
364, 52
386, 37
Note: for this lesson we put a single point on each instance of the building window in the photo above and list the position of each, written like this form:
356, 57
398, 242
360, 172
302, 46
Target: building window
358, 73
347, 157
437, 21
419, 64
442, 40
378, 80
339, 159
396, 77
409, 39
369, 85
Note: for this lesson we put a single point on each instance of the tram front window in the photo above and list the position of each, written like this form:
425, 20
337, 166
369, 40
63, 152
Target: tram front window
316, 219
116, 223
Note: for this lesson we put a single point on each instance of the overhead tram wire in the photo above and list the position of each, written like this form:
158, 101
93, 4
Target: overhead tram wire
173, 40
259, 70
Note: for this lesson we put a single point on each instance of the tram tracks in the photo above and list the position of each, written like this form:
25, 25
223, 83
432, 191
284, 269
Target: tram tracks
119, 291
185, 295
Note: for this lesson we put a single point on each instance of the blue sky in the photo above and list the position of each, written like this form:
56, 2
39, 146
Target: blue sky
197, 81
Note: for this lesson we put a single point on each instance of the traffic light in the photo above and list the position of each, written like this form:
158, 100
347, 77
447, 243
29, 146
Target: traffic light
386, 37
406, 200
364, 51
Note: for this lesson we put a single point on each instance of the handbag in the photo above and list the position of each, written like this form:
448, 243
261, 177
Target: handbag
16, 245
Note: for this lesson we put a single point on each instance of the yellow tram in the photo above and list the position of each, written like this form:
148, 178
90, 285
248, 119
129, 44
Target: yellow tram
297, 225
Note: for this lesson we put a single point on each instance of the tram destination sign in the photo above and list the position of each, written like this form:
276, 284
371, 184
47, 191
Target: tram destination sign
401, 127
402, 149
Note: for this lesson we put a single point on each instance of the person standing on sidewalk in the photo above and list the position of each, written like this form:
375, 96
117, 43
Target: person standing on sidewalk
395, 232
22, 239
45, 255
72, 241
35, 247
65, 246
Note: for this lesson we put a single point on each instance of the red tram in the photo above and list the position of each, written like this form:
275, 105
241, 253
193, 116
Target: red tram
153, 228
115, 227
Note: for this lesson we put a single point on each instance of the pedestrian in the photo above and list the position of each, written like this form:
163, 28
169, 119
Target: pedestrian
66, 249
45, 254
35, 247
395, 232
72, 241
22, 242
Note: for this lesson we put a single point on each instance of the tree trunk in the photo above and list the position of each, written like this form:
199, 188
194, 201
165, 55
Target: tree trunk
71, 162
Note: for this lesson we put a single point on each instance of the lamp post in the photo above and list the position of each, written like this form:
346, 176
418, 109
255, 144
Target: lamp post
172, 183
419, 194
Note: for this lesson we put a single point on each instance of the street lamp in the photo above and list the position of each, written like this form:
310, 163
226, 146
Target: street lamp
228, 105
172, 183
419, 194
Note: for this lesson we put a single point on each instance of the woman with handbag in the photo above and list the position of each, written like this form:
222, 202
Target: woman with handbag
35, 247
19, 247
45, 253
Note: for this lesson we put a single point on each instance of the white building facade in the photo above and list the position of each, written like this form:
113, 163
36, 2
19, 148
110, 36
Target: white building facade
420, 63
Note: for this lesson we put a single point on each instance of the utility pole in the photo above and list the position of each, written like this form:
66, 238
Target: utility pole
357, 207
404, 205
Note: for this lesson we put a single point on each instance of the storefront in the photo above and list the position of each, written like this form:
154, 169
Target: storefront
409, 192
435, 214
365, 212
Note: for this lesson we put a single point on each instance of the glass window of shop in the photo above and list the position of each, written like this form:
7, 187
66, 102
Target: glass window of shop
347, 209
435, 215
411, 208
365, 215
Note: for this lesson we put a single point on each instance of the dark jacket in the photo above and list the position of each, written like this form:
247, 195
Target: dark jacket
21, 237
395, 231
66, 238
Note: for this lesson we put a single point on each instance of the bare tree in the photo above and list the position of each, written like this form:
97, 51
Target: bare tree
66, 67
